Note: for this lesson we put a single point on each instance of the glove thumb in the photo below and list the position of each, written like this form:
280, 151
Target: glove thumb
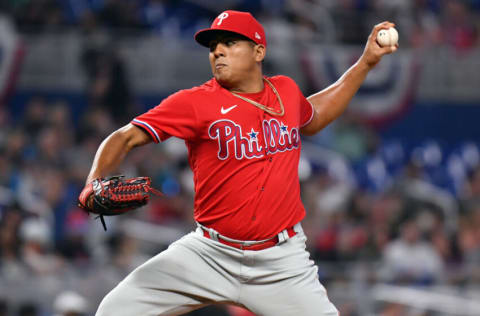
85, 199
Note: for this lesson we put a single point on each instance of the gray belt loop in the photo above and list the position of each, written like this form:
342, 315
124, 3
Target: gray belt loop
213, 234
283, 236
298, 228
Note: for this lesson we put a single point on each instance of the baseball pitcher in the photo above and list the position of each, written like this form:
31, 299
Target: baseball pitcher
242, 130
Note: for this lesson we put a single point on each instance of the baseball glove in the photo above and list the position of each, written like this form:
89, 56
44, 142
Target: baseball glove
115, 195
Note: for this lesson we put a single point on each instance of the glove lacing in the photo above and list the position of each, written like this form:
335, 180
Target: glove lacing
125, 192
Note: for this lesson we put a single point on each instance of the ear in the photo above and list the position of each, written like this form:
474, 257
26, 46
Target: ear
259, 51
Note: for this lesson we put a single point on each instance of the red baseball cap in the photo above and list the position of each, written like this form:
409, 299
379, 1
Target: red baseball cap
242, 23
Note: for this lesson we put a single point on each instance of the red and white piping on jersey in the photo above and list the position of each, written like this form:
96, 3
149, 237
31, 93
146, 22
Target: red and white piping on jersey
149, 128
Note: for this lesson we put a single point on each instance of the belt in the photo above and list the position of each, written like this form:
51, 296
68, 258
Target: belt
281, 237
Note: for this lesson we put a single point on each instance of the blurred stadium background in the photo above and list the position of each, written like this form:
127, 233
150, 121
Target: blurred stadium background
392, 188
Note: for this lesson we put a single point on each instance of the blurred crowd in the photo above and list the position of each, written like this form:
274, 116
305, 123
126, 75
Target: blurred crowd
455, 22
410, 228
409, 212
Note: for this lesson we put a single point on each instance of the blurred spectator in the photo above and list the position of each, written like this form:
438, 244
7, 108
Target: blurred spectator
469, 244
125, 254
88, 23
109, 88
425, 29
36, 250
121, 13
155, 13
394, 310
70, 303
73, 244
60, 119
28, 309
408, 259
471, 191
3, 308
10, 266
352, 25
39, 15
35, 115
458, 27
353, 139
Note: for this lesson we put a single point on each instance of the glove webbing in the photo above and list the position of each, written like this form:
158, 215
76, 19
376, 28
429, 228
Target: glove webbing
127, 187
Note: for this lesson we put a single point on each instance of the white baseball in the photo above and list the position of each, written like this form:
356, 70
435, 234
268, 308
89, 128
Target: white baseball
388, 37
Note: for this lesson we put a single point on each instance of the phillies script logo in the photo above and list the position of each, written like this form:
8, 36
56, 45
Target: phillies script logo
277, 138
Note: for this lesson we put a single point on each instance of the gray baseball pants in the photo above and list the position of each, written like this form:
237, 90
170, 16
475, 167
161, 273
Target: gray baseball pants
196, 271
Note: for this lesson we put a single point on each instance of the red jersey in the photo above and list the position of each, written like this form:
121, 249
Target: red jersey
244, 160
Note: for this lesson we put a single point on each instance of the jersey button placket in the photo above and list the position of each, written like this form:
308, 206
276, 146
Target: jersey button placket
261, 186
262, 117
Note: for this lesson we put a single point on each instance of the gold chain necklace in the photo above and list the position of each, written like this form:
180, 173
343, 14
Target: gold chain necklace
264, 107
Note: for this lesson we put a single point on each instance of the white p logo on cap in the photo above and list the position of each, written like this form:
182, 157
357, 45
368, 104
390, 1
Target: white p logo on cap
222, 17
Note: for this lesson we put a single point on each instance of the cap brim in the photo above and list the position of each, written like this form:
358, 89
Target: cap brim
203, 37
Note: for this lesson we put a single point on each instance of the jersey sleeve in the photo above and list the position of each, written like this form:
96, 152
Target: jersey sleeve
174, 116
306, 108
306, 111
